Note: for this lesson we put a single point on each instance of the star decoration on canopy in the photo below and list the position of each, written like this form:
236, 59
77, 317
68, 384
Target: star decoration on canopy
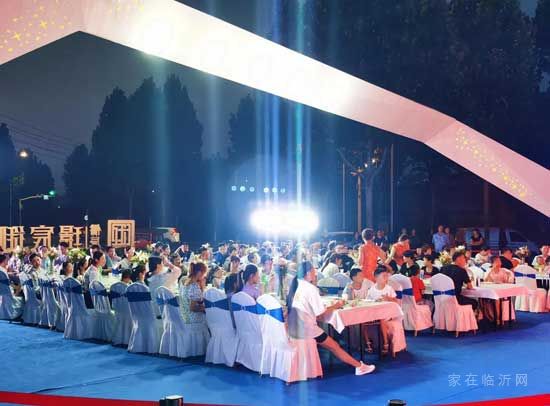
179, 33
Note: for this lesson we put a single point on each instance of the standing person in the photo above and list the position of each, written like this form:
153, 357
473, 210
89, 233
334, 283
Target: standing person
458, 273
413, 240
476, 242
395, 259
440, 239
369, 254
305, 306
451, 243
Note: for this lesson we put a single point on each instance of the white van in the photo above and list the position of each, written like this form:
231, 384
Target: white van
499, 238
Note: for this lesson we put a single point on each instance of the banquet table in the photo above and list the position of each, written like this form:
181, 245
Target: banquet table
497, 293
360, 313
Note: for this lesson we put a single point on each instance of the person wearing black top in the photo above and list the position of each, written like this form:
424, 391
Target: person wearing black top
457, 272
506, 259
409, 267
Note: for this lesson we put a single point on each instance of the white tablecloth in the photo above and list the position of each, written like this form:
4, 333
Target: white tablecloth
495, 291
364, 312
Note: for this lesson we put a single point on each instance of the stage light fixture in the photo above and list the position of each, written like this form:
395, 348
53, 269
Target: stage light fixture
283, 190
284, 220
252, 189
266, 190
242, 189
233, 188
274, 190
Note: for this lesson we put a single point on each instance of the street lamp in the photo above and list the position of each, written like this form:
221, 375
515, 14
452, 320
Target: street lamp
23, 154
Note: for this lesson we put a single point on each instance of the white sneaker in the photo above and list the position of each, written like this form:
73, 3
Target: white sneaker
364, 369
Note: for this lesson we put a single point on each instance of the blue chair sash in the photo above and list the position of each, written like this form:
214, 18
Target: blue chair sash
220, 304
172, 301
450, 292
408, 292
275, 313
115, 271
75, 289
525, 275
399, 294
116, 295
237, 307
99, 292
138, 296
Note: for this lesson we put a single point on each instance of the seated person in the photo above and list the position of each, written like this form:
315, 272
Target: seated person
458, 273
429, 270
305, 306
418, 288
497, 274
161, 276
482, 257
251, 279
381, 291
215, 276
409, 266
331, 266
359, 286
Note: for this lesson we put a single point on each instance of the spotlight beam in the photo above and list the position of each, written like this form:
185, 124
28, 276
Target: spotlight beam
189, 37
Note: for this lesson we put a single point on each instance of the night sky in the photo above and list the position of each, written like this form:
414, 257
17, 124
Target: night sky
56, 93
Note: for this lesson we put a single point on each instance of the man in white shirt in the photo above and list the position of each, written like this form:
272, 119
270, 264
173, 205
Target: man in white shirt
482, 257
305, 307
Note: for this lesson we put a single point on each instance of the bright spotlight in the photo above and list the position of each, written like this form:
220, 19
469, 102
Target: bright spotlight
285, 220
266, 190
274, 190
251, 189
233, 188
283, 190
157, 38
242, 188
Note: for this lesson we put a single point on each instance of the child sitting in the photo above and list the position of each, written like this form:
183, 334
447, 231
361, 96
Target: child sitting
382, 292
418, 288
359, 286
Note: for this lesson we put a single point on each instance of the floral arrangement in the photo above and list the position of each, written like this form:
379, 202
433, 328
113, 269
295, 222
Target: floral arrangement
76, 254
140, 258
445, 258
52, 254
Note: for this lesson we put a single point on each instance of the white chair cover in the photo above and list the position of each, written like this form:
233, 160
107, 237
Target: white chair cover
105, 318
330, 286
416, 317
31, 308
63, 312
449, 315
145, 334
222, 347
80, 321
123, 321
288, 360
342, 279
247, 322
11, 307
536, 301
479, 273
398, 290
50, 308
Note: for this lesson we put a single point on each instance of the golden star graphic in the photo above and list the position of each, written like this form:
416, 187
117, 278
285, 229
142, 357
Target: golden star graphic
17, 36
43, 24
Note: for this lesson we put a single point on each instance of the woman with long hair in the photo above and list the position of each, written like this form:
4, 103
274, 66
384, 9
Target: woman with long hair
305, 307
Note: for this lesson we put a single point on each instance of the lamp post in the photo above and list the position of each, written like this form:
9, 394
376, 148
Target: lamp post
23, 154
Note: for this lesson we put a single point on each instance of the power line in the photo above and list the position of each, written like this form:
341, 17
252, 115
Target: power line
27, 124
47, 143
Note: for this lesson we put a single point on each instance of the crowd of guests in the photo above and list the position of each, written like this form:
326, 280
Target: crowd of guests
289, 270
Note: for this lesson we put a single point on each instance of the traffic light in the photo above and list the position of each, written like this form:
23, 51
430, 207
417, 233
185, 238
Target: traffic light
51, 193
